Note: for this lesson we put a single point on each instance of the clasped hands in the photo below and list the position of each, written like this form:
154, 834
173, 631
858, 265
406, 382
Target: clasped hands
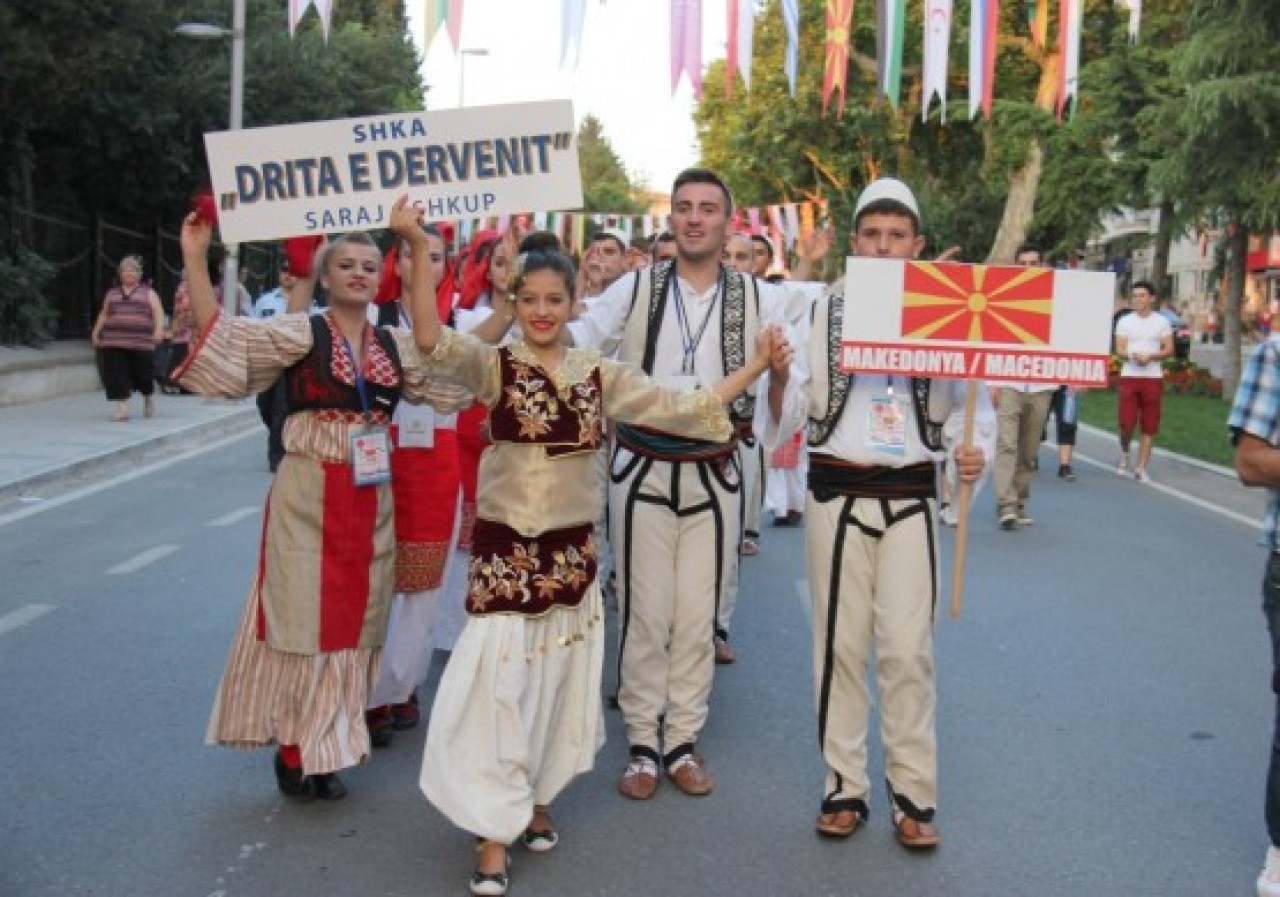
774, 353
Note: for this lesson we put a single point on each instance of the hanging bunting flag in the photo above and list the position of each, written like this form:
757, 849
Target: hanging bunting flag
298, 9
937, 43
1038, 22
790, 223
836, 56
791, 22
890, 23
539, 220
453, 22
686, 44
438, 14
983, 21
294, 12
1135, 17
742, 23
572, 14
579, 233
776, 230
753, 220
1070, 20
324, 8
806, 220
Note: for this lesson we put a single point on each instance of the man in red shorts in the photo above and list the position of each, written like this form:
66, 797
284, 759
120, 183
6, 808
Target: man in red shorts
1143, 339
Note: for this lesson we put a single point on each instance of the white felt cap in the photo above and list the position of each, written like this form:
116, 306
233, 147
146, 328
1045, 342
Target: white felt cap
887, 188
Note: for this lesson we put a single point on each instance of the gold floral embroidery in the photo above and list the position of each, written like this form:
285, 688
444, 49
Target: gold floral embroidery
448, 347
536, 402
514, 580
576, 367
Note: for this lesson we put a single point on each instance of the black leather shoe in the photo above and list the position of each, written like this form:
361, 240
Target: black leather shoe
379, 723
327, 786
291, 781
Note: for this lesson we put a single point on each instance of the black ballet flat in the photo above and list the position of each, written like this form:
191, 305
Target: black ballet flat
291, 781
327, 786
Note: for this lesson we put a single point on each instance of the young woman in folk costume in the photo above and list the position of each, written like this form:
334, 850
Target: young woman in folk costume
425, 484
518, 713
310, 641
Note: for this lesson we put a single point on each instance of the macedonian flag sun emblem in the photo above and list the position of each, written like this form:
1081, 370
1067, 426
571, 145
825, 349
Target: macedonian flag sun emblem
977, 303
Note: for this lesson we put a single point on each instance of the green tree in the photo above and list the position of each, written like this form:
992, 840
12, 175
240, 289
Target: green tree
773, 147
606, 186
105, 106
1228, 162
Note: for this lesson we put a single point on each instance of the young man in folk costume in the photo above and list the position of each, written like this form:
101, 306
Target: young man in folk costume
676, 504
871, 546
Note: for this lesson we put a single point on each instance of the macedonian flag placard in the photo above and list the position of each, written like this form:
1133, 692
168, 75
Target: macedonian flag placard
986, 322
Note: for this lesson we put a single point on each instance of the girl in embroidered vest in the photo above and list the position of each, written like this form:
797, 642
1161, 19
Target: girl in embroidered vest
125, 334
518, 712
310, 641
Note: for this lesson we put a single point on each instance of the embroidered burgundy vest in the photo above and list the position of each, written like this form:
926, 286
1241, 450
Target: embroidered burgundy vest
533, 411
325, 381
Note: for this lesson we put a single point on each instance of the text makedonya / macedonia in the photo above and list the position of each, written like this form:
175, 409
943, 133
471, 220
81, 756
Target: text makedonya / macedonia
391, 169
983, 363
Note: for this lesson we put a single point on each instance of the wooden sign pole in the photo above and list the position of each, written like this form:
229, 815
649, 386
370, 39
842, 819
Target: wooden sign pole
963, 497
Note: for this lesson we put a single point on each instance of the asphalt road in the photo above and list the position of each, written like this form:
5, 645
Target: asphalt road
1105, 716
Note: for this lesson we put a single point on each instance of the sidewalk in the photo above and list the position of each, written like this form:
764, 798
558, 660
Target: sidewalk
44, 443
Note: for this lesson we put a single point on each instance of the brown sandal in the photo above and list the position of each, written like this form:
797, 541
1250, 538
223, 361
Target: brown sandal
838, 824
914, 834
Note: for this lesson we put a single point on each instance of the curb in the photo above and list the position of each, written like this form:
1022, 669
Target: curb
241, 420
1206, 466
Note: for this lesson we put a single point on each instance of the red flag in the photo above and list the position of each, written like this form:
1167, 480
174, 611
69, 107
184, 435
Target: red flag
977, 303
836, 67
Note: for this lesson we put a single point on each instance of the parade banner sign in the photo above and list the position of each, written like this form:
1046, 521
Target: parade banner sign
333, 176
985, 322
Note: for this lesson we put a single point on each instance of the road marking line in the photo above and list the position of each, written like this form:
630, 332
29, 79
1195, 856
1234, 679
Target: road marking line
77, 494
1169, 490
22, 616
234, 516
806, 601
150, 556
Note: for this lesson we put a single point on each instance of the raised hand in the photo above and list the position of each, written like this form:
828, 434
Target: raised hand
197, 234
817, 244
406, 221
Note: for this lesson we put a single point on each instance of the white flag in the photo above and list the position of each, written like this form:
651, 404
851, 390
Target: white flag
937, 43
572, 13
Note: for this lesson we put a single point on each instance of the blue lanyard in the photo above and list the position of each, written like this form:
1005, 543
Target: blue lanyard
358, 368
688, 339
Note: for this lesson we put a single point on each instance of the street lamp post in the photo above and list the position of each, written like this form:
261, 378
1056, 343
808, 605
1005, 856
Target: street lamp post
462, 73
230, 270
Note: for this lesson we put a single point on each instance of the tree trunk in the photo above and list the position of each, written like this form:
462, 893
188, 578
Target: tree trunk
1237, 247
1160, 252
1019, 206
1024, 184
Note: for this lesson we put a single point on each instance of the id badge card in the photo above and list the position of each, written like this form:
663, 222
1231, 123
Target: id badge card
371, 457
417, 425
684, 382
887, 425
